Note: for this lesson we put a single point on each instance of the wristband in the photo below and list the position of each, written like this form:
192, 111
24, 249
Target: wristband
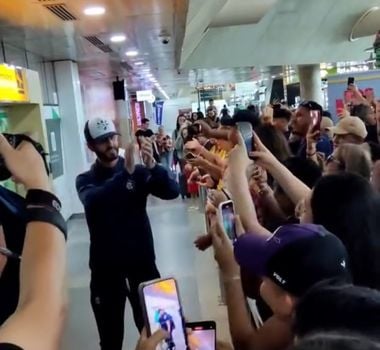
49, 216
43, 199
232, 279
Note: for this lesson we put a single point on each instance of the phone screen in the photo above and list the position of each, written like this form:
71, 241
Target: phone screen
246, 131
228, 217
339, 106
316, 119
164, 310
203, 336
350, 81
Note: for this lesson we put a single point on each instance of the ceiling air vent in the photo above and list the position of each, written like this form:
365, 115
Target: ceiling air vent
60, 10
98, 43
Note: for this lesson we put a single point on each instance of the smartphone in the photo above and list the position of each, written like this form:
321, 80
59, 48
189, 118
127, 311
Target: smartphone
203, 335
245, 128
316, 118
350, 81
227, 218
162, 308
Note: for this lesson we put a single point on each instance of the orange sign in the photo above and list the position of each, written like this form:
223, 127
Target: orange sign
12, 84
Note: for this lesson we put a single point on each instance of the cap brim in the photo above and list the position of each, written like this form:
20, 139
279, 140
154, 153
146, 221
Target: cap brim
252, 252
106, 136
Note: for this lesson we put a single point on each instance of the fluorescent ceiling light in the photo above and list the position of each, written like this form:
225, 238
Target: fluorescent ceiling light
149, 75
94, 11
132, 53
139, 63
118, 38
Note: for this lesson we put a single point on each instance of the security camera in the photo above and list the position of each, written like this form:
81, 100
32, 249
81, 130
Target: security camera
165, 39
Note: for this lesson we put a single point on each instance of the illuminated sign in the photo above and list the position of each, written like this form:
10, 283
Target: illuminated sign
145, 95
12, 84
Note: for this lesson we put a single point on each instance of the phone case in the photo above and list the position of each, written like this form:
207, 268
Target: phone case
144, 308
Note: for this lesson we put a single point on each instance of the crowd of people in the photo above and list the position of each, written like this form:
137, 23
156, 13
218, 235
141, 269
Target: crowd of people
305, 197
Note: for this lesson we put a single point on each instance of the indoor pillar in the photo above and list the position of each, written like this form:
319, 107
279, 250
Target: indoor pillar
72, 127
310, 82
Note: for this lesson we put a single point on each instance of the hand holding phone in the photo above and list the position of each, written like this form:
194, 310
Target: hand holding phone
203, 335
162, 309
227, 218
246, 131
350, 81
316, 119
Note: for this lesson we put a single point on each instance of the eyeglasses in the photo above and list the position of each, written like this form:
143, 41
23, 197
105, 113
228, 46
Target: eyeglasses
9, 254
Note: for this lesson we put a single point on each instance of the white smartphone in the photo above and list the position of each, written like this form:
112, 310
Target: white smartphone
226, 214
162, 309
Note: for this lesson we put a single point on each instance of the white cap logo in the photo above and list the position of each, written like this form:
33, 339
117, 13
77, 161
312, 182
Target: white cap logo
100, 126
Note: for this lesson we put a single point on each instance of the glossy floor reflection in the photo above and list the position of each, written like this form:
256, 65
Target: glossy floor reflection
175, 228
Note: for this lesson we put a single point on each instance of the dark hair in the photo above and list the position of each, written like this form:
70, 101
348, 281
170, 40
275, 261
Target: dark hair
281, 113
334, 341
326, 114
362, 111
304, 169
246, 115
311, 106
200, 115
374, 149
179, 126
275, 141
145, 120
346, 205
343, 308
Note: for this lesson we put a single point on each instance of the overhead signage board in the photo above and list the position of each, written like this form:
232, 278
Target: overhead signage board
13, 86
145, 95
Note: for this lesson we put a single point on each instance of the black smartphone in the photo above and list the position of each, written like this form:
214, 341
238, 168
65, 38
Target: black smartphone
203, 335
162, 308
350, 81
15, 141
246, 130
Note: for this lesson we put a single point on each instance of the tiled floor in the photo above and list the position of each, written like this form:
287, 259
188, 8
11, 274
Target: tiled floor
175, 228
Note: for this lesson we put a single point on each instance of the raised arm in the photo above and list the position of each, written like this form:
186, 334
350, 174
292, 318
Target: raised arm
38, 321
293, 187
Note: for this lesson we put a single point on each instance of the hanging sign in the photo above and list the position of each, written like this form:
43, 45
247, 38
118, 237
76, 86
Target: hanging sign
12, 84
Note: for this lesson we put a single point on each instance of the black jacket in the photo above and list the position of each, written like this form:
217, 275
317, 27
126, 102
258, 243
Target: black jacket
115, 207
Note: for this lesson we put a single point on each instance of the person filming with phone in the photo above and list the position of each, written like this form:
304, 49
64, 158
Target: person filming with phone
114, 194
306, 119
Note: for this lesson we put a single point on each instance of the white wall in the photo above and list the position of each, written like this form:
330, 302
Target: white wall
170, 112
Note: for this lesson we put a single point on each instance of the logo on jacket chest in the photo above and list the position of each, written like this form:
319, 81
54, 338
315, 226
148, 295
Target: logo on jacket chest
130, 186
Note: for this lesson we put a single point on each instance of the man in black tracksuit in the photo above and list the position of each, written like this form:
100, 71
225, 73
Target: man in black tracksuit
114, 194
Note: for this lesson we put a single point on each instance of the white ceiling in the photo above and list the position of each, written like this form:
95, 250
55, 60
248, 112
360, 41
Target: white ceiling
219, 36
290, 32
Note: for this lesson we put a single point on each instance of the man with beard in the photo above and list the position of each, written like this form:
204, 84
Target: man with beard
114, 194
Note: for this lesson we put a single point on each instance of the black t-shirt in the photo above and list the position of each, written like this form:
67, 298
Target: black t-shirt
372, 134
13, 220
5, 346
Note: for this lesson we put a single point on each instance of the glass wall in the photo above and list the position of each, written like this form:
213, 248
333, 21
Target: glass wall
22, 58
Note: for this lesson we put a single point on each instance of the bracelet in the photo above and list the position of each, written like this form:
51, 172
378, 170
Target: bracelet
232, 279
49, 216
44, 199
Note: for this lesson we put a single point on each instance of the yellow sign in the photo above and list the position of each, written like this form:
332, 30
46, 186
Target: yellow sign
12, 84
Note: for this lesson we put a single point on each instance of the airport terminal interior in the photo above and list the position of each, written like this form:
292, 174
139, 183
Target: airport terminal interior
179, 79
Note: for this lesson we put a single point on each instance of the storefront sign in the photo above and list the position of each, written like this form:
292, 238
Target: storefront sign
12, 84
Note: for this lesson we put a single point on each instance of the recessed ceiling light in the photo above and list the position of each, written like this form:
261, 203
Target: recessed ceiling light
132, 53
139, 63
94, 11
118, 38
149, 75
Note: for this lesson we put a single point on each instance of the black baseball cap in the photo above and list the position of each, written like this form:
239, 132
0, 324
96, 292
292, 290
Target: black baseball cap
295, 257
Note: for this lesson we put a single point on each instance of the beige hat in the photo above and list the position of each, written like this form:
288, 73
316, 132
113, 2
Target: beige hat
351, 125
